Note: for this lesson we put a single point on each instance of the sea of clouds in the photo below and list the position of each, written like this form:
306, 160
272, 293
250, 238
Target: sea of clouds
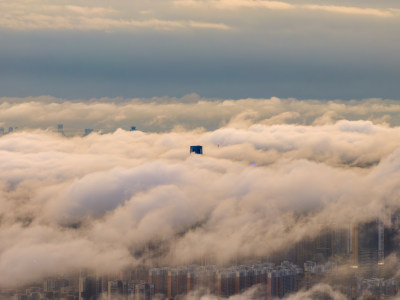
274, 171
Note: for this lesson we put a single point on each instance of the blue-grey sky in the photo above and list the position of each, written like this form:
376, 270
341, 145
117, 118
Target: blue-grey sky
216, 48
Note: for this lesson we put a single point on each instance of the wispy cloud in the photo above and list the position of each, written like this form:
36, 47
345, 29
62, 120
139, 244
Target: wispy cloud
350, 10
90, 10
235, 4
40, 21
34, 16
72, 17
279, 5
244, 197
209, 25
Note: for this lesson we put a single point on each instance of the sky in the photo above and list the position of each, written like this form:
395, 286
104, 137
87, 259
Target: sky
215, 48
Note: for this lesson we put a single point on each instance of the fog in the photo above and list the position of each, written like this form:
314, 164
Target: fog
276, 172
165, 114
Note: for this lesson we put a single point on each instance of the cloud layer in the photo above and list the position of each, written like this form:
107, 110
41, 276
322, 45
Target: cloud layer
281, 171
44, 15
22, 15
189, 112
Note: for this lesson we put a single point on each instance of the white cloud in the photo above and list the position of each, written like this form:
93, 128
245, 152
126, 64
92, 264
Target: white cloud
102, 197
82, 10
351, 10
23, 16
234, 4
318, 291
38, 21
278, 5
190, 112
208, 25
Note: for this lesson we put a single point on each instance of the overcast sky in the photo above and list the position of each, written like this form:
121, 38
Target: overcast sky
216, 48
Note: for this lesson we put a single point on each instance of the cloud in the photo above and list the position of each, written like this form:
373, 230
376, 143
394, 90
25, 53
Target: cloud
33, 15
235, 4
38, 21
252, 293
23, 16
318, 291
82, 10
55, 254
371, 12
208, 25
262, 184
190, 112
278, 5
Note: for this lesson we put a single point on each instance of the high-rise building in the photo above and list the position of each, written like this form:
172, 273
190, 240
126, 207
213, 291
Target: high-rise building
53, 284
174, 283
368, 246
20, 297
226, 281
378, 288
159, 277
177, 282
141, 291
202, 278
118, 289
88, 288
140, 274
281, 282
196, 149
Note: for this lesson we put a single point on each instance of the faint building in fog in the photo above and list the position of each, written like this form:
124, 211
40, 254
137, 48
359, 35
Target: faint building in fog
117, 289
141, 291
368, 247
87, 131
159, 277
87, 288
60, 129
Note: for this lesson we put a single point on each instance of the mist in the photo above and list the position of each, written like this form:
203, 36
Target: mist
190, 112
275, 173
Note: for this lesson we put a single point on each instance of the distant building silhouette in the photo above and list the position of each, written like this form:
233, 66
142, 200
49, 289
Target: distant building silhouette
87, 288
88, 131
196, 149
117, 289
143, 291
10, 129
273, 280
368, 246
133, 128
60, 128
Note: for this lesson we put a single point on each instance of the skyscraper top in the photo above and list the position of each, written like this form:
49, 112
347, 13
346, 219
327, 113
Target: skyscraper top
196, 149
